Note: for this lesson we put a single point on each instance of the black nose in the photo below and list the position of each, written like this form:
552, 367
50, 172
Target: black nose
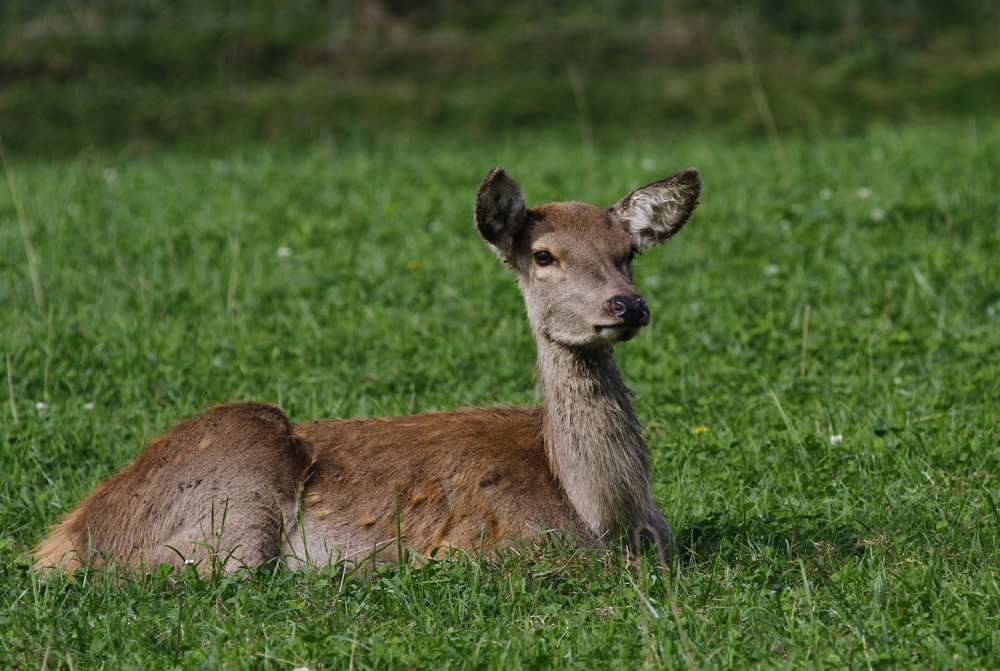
632, 310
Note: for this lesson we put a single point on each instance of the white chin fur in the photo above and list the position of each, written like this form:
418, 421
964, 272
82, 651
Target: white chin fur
617, 333
601, 335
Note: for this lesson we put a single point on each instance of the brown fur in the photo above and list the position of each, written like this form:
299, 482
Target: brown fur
224, 482
240, 485
460, 482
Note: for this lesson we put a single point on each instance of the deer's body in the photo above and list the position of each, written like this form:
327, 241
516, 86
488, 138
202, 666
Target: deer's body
474, 479
242, 482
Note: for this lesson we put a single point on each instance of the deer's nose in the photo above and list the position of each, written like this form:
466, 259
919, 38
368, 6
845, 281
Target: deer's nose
632, 310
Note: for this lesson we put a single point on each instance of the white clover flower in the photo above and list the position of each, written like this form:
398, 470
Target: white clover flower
878, 214
647, 164
110, 175
864, 192
826, 194
771, 269
88, 406
284, 252
836, 439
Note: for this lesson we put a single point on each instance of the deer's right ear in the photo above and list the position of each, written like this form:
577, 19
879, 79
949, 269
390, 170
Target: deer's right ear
500, 213
657, 211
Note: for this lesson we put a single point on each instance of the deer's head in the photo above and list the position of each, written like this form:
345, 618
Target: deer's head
574, 261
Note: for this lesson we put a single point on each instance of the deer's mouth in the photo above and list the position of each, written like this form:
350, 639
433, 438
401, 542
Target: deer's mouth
617, 332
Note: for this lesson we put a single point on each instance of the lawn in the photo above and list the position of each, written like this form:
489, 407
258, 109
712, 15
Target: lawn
273, 201
819, 389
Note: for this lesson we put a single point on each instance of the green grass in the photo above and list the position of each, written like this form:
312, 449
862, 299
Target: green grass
163, 292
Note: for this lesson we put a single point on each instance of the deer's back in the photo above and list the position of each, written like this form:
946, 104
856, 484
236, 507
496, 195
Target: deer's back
466, 479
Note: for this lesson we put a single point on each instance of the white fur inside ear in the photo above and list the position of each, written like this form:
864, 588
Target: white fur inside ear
657, 211
653, 215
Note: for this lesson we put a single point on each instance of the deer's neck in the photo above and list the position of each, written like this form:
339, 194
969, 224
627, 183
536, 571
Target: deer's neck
593, 439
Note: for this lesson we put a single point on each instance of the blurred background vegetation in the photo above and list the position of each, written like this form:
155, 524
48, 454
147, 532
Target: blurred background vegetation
137, 75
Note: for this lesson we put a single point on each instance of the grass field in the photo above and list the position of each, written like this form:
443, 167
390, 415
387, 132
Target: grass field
819, 388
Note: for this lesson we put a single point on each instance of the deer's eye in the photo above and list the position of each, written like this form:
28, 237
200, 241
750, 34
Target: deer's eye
543, 257
631, 255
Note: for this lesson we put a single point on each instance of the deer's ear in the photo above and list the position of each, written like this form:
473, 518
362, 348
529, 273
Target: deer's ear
500, 213
657, 211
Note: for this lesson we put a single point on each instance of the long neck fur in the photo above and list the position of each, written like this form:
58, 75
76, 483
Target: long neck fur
593, 439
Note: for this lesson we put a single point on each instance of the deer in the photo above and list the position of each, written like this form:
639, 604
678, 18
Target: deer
241, 486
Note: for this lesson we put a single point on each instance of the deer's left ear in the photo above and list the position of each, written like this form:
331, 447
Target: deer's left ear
500, 214
657, 211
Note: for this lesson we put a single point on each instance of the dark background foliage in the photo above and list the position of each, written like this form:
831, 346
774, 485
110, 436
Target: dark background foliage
145, 73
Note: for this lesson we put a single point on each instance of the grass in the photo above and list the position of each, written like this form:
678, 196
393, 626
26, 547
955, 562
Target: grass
836, 502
